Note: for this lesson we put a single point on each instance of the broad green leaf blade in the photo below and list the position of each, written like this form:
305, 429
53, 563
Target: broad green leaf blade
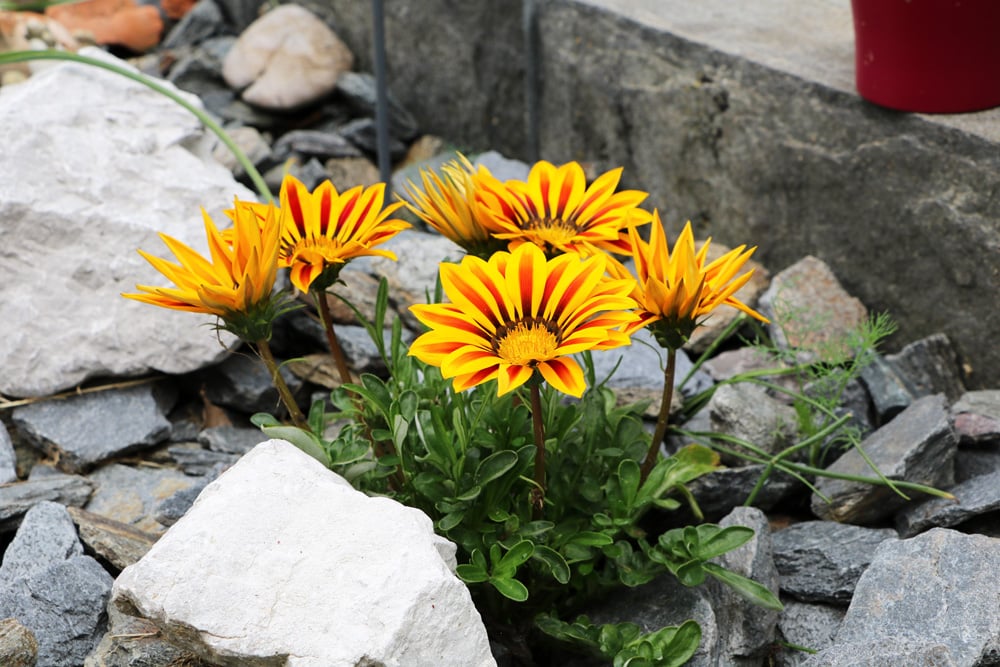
513, 559
495, 465
510, 588
748, 588
715, 541
554, 561
471, 574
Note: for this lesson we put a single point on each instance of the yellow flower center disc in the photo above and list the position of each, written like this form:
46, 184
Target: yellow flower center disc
526, 342
555, 232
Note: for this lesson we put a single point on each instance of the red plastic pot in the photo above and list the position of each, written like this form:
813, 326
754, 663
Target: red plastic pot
931, 56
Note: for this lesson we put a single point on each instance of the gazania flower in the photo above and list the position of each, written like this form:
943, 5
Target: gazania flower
235, 283
324, 229
519, 313
676, 291
556, 210
448, 204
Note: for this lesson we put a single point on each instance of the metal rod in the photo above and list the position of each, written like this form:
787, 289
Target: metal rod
530, 37
381, 98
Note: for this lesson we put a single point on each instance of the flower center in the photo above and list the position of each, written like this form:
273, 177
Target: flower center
313, 251
555, 232
526, 342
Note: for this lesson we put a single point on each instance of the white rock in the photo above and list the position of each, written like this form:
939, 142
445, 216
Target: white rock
281, 562
94, 165
287, 58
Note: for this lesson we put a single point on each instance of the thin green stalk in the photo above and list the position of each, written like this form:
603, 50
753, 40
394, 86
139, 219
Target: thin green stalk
663, 417
538, 493
204, 118
790, 467
264, 351
326, 318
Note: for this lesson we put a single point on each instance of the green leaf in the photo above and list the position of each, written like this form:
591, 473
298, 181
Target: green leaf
261, 419
554, 561
748, 588
449, 521
535, 528
514, 558
408, 404
304, 440
628, 478
400, 427
714, 541
471, 574
510, 588
495, 465
470, 494
691, 573
591, 539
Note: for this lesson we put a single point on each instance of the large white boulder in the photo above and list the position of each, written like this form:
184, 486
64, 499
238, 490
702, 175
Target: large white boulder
282, 562
94, 165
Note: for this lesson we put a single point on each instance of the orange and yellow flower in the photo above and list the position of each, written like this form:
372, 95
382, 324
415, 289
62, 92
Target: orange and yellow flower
448, 204
519, 313
322, 230
675, 290
558, 212
234, 283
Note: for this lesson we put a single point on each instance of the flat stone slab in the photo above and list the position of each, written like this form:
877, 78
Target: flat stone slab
81, 431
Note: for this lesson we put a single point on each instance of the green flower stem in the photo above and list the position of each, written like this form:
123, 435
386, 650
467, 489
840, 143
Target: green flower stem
264, 351
802, 469
326, 318
397, 480
204, 118
664, 416
538, 493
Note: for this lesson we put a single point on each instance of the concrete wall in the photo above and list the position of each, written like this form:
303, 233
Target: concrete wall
726, 127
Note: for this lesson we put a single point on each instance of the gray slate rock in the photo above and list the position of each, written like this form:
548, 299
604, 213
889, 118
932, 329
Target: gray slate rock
362, 133
977, 418
809, 625
931, 366
242, 382
939, 588
720, 491
884, 653
917, 446
746, 631
18, 646
313, 143
891, 393
977, 496
136, 642
17, 498
173, 508
231, 439
203, 21
971, 463
118, 543
50, 586
358, 347
746, 411
81, 431
821, 561
196, 461
357, 89
8, 459
130, 495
